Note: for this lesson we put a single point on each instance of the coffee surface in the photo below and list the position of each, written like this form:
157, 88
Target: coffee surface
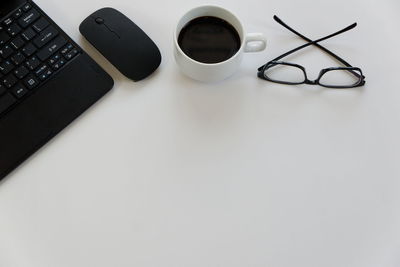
209, 40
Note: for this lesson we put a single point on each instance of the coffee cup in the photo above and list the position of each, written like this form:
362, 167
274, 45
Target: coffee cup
209, 43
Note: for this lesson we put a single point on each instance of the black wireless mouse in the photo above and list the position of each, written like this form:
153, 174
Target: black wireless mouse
122, 42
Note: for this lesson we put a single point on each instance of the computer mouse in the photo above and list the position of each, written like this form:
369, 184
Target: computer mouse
122, 42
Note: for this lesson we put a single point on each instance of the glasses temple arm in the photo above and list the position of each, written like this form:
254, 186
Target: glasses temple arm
314, 42
277, 19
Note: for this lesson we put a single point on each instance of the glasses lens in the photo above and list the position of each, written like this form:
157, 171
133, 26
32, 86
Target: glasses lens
283, 73
341, 78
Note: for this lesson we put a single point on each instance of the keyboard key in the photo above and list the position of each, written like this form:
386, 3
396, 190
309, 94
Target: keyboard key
19, 90
40, 25
17, 43
51, 48
4, 37
28, 34
45, 75
31, 82
46, 36
32, 63
71, 54
8, 22
26, 7
29, 50
21, 72
6, 67
18, 58
54, 59
6, 51
41, 69
59, 64
13, 30
66, 49
6, 101
28, 18
18, 13
9, 81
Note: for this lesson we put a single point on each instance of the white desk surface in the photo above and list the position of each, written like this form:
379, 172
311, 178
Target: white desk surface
169, 172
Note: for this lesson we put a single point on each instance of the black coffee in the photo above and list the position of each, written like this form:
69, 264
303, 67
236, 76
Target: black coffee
209, 40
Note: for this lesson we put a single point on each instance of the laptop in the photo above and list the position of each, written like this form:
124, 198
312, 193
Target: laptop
46, 81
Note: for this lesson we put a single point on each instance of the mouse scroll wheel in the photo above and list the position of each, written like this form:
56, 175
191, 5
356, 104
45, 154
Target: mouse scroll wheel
99, 20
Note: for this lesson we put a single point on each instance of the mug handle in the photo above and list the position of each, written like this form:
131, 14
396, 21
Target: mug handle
259, 42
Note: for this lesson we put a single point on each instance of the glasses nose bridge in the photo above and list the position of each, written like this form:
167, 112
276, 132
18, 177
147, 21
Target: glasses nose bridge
308, 81
311, 82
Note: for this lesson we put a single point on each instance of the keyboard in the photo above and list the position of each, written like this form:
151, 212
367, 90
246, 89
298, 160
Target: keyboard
32, 49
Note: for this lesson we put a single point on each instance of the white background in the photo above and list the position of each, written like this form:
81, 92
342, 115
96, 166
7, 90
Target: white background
169, 172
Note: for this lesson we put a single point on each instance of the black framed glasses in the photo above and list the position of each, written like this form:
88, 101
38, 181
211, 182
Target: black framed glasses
289, 73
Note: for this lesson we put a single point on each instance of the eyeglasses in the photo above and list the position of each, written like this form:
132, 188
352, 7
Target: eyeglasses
292, 74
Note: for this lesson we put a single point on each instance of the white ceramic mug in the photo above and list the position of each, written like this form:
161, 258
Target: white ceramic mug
252, 42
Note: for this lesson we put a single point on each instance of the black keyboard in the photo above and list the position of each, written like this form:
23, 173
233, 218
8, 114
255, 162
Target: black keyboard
32, 49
